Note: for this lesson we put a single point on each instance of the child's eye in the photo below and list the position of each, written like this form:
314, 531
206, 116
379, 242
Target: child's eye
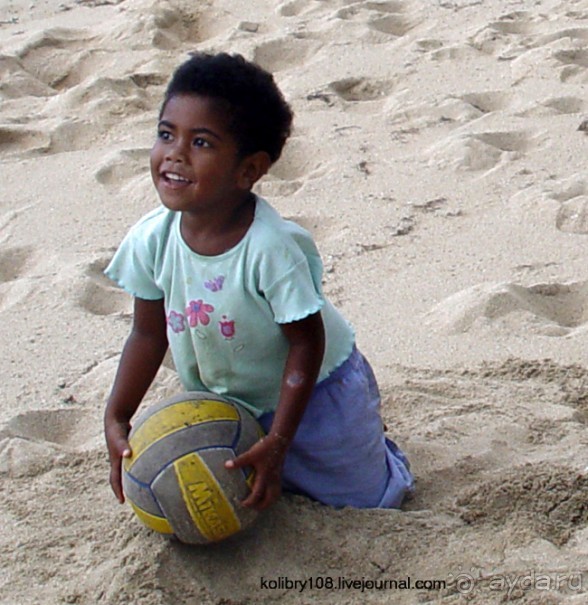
200, 142
164, 135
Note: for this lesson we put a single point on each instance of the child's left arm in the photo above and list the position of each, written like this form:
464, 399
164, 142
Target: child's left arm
307, 346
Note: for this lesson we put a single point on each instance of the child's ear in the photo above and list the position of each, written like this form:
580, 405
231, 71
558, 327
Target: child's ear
253, 167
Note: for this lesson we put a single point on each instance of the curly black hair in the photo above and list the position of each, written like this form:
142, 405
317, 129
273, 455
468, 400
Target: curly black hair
258, 116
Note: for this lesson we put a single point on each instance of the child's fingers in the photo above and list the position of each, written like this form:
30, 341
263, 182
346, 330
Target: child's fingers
118, 448
262, 497
256, 496
122, 447
245, 459
122, 450
116, 481
117, 440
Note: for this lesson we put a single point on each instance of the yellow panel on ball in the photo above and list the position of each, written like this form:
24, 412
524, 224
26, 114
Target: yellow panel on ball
209, 508
158, 524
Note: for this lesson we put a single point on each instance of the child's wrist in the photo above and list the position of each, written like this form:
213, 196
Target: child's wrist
279, 444
114, 419
280, 439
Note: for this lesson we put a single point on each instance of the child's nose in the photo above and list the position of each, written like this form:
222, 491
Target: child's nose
176, 151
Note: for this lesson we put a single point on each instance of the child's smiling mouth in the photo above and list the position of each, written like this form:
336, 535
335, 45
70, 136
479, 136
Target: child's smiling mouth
175, 179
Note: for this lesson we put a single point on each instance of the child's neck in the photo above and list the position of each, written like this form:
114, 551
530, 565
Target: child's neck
211, 234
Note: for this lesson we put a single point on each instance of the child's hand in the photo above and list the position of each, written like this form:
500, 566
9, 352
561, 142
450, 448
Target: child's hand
267, 458
118, 448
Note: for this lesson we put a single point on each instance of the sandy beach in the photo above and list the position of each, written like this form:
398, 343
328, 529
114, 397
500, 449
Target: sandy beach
439, 159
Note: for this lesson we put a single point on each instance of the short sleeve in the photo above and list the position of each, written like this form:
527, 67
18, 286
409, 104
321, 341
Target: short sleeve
292, 287
132, 266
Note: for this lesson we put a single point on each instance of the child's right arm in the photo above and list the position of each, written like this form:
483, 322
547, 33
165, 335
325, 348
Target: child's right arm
142, 355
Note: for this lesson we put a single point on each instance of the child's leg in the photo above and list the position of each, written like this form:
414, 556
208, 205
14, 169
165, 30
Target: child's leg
340, 455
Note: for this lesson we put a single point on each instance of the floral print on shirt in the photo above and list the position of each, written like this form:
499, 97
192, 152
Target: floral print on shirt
197, 312
176, 321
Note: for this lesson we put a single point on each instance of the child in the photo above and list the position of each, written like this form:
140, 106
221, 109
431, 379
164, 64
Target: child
235, 291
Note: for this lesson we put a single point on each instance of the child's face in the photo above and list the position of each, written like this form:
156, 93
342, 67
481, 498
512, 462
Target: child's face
194, 162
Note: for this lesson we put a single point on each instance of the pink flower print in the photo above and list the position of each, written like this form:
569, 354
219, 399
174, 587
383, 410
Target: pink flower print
176, 322
197, 312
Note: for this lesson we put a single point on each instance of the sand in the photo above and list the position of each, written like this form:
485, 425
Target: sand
439, 159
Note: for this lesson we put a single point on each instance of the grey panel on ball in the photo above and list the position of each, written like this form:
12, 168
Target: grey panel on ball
140, 495
169, 495
251, 431
180, 443
187, 396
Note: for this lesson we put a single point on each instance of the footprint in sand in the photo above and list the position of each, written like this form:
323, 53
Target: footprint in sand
148, 78
157, 25
17, 82
438, 51
393, 25
353, 91
575, 62
573, 34
464, 109
567, 189
384, 20
70, 134
296, 165
296, 7
454, 110
19, 140
573, 56
555, 106
353, 9
489, 101
572, 216
572, 194
357, 90
59, 427
13, 262
31, 441
14, 285
509, 36
123, 165
284, 53
299, 160
59, 57
566, 105
482, 150
98, 295
549, 309
521, 23
106, 96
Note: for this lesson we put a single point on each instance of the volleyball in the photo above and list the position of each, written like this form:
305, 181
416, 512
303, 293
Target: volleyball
176, 481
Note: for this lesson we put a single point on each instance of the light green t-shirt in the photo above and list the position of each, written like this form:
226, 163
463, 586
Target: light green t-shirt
223, 312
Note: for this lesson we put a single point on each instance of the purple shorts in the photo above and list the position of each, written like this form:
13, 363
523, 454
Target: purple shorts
340, 455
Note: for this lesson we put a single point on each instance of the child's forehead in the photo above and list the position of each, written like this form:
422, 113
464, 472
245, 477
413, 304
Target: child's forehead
196, 106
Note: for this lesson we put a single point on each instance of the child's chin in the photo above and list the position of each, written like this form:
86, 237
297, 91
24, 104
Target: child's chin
175, 206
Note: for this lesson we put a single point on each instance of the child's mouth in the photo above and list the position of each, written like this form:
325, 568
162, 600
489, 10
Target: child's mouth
175, 180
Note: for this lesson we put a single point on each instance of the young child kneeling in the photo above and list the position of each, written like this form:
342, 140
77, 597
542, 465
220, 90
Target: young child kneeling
235, 291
